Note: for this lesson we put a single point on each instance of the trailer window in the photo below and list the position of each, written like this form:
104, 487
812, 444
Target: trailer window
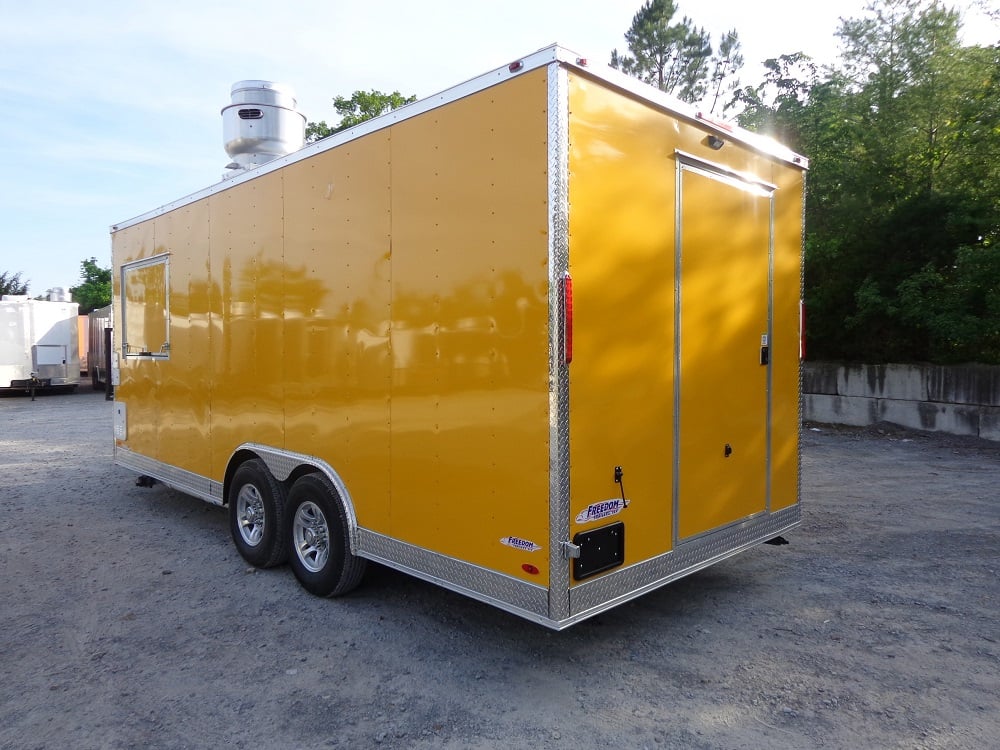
146, 308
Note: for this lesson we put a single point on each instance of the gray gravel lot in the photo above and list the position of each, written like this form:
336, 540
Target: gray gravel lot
129, 620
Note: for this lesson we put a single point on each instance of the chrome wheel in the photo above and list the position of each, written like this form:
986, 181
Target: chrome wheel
257, 514
319, 532
311, 536
250, 514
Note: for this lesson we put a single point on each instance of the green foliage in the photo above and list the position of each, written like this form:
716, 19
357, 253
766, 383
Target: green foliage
776, 105
957, 309
361, 106
674, 57
95, 291
726, 63
10, 283
316, 131
903, 199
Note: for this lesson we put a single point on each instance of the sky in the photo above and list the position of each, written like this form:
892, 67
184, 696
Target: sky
109, 109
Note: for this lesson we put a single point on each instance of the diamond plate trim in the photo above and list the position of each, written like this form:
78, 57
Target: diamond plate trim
559, 510
518, 597
802, 292
179, 479
609, 591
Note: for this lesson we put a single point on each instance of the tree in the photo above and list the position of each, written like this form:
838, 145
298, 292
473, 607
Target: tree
903, 207
361, 106
12, 284
672, 57
777, 105
95, 291
988, 8
903, 192
904, 66
725, 80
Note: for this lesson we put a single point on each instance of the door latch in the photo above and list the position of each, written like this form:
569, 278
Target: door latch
570, 551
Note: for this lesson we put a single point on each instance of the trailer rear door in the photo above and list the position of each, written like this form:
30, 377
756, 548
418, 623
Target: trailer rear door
722, 367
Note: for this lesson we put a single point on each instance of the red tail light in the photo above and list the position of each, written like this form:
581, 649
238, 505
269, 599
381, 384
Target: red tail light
567, 319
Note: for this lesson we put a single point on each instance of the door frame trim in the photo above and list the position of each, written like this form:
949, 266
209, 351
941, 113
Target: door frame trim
740, 180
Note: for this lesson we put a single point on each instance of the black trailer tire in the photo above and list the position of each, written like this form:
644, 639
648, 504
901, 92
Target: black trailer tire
318, 538
257, 515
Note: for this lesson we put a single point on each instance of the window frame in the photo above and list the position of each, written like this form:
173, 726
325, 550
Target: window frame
135, 265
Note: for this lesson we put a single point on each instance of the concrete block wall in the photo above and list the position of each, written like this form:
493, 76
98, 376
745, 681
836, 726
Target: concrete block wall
959, 399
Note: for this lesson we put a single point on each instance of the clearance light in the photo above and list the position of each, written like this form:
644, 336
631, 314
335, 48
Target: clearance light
515, 66
716, 123
582, 62
567, 319
529, 568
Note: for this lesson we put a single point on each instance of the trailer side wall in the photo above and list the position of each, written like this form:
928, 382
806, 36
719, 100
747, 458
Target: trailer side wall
381, 306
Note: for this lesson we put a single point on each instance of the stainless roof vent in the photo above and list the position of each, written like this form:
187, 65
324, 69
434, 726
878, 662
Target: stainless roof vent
261, 124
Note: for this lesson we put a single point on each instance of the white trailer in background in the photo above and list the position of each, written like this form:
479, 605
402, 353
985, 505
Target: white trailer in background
39, 344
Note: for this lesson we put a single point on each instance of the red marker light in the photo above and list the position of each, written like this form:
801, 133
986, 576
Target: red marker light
529, 568
721, 124
581, 61
515, 66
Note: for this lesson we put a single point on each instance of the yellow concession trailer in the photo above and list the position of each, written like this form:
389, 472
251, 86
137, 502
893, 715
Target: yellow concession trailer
535, 339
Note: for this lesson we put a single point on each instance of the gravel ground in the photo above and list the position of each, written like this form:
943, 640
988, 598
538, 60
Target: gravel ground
129, 620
